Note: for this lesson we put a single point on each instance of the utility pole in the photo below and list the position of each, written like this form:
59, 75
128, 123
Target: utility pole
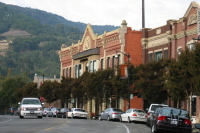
143, 15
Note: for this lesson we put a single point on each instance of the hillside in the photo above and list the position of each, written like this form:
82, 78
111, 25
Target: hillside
36, 37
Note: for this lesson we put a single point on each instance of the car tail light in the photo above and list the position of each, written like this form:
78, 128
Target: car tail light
56, 111
114, 113
12, 111
66, 112
45, 111
40, 108
187, 122
134, 114
162, 118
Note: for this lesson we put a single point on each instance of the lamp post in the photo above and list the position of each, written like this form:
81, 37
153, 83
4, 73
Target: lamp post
128, 76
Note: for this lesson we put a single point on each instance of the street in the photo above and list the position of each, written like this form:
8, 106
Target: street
11, 124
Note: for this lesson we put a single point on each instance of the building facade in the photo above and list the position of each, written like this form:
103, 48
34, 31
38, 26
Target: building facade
169, 41
97, 52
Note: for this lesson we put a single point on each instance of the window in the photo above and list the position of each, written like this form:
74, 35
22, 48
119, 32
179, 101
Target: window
63, 74
93, 66
179, 51
118, 60
67, 72
158, 56
191, 46
77, 70
101, 64
150, 57
113, 61
70, 72
166, 53
108, 62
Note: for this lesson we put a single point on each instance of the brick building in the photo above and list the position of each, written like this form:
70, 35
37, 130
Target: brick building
96, 52
169, 41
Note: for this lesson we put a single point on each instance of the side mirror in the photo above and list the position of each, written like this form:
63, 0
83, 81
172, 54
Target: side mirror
147, 109
19, 103
197, 126
42, 103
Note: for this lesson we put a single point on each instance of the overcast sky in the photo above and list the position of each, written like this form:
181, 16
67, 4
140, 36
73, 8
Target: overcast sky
111, 12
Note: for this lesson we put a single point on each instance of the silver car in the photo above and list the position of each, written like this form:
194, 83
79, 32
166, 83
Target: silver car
111, 114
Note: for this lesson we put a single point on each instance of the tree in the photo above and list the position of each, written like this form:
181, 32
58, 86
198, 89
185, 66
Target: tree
48, 90
151, 81
65, 90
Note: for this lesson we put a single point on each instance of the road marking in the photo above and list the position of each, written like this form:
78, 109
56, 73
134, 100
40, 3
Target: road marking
6, 121
49, 128
127, 129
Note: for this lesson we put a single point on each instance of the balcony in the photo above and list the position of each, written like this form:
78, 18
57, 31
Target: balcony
86, 53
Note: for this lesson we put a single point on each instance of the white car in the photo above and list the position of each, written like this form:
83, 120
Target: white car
30, 107
77, 112
134, 115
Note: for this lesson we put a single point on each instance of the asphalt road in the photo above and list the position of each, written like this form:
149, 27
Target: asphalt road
13, 124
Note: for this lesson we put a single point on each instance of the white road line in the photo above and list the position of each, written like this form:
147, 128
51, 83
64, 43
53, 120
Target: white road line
6, 121
127, 129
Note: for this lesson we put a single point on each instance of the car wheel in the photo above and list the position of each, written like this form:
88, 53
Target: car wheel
153, 129
39, 117
100, 118
108, 118
21, 117
128, 120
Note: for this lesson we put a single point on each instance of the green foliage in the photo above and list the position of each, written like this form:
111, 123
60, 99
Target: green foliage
8, 87
151, 81
184, 74
48, 91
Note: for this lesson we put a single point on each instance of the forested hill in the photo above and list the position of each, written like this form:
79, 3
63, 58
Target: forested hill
37, 51
10, 11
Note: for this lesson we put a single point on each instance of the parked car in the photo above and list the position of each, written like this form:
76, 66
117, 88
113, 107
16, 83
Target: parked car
77, 112
151, 109
12, 111
52, 112
134, 115
172, 120
63, 113
197, 126
45, 111
111, 114
30, 107
154, 115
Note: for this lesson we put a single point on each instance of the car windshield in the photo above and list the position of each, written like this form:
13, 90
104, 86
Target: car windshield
31, 101
139, 111
78, 110
153, 108
117, 110
175, 112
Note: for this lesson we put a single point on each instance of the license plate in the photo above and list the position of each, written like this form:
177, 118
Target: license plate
31, 112
174, 122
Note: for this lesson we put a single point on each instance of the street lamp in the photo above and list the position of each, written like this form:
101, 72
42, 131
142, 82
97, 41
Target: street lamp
128, 76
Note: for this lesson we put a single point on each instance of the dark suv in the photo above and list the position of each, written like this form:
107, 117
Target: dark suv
172, 120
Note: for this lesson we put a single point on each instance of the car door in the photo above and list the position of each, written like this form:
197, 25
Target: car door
125, 115
104, 114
